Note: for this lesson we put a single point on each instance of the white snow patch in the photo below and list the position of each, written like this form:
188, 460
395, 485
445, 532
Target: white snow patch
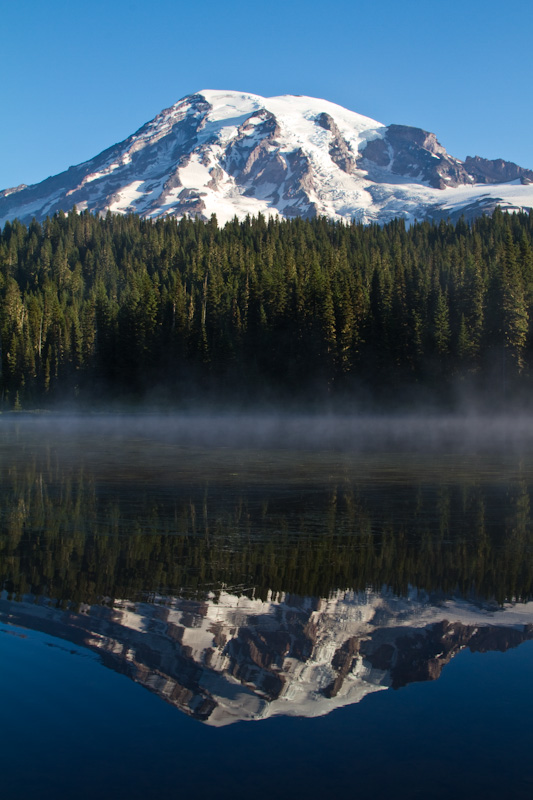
195, 175
127, 198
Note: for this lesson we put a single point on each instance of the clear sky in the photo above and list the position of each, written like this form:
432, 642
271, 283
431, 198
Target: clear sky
78, 77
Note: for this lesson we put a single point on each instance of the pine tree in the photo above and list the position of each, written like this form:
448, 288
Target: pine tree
441, 325
515, 317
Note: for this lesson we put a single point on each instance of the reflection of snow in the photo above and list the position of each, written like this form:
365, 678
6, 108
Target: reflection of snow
230, 657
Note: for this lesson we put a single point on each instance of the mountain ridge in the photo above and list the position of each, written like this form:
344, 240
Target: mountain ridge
237, 154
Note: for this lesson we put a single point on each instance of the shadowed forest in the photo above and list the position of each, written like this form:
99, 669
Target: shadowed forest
126, 309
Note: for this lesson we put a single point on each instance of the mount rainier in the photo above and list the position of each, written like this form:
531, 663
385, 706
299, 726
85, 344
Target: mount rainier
236, 154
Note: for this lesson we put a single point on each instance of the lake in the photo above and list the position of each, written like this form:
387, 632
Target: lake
256, 605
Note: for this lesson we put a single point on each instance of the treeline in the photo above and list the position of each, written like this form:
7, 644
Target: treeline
123, 307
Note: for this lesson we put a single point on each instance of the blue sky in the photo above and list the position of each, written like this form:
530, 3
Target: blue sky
78, 77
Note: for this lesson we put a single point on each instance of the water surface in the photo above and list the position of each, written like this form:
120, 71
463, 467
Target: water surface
266, 605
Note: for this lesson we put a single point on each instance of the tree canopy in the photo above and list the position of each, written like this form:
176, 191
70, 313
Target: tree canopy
126, 308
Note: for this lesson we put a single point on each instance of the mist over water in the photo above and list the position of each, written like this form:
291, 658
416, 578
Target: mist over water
414, 432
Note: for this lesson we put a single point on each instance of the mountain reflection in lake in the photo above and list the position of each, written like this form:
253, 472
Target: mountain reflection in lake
288, 576
238, 658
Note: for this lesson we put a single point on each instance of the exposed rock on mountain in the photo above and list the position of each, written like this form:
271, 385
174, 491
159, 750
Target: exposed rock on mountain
497, 171
414, 153
12, 190
339, 150
234, 154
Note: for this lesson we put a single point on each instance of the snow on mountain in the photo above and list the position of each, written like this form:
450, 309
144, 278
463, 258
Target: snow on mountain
231, 153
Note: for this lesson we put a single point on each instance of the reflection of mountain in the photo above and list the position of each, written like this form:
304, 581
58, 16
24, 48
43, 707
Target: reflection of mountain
236, 658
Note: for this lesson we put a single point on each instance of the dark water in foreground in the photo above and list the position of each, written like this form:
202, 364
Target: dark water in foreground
260, 607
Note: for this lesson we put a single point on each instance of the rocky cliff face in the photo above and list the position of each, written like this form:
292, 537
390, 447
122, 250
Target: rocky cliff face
234, 154
233, 658
12, 190
339, 148
415, 153
497, 171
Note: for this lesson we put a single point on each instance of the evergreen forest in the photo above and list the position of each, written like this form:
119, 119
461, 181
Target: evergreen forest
123, 309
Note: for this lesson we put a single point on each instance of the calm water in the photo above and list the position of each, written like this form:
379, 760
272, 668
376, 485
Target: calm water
266, 607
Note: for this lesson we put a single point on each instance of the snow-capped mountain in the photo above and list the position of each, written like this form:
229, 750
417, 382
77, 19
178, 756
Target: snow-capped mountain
230, 153
229, 658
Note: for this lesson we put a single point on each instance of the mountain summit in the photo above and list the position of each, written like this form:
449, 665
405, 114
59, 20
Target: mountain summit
231, 153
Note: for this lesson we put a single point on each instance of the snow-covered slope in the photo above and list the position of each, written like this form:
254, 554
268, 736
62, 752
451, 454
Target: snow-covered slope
229, 153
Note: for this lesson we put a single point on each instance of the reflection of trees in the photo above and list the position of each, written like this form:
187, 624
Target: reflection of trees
69, 536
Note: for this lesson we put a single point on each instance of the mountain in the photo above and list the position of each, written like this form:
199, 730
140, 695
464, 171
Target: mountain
231, 658
230, 153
